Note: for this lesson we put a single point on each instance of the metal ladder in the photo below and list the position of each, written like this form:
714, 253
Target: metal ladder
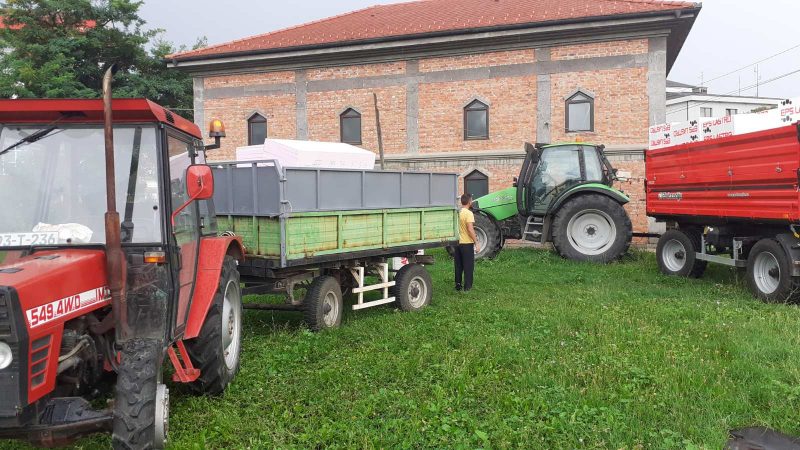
533, 229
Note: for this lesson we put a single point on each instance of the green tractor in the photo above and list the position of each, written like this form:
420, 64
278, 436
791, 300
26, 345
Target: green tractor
563, 195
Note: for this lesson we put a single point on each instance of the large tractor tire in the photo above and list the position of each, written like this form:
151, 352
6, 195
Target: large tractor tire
141, 403
489, 237
592, 228
216, 351
769, 273
413, 287
323, 304
676, 252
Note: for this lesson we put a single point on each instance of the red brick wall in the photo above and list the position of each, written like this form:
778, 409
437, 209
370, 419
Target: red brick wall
248, 79
323, 111
632, 47
621, 109
234, 112
621, 106
478, 60
363, 70
512, 114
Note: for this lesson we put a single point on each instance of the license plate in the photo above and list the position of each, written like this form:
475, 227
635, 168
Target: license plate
27, 239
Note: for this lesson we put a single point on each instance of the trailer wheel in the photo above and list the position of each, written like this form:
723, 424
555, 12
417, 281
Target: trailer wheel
413, 287
322, 306
592, 228
676, 254
216, 350
141, 403
489, 237
769, 273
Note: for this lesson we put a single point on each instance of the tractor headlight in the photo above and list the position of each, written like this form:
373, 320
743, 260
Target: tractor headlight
5, 355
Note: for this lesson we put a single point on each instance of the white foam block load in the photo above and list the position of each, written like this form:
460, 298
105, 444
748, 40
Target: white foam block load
789, 111
717, 127
686, 132
323, 155
675, 133
660, 136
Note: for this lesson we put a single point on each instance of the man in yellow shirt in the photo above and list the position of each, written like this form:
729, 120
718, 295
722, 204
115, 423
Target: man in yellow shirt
467, 245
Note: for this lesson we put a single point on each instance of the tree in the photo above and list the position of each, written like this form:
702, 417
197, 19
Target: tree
61, 48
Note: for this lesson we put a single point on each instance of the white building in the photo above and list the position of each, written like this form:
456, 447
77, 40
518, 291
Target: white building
686, 102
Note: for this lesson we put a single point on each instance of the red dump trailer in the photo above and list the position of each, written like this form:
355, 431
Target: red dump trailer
732, 201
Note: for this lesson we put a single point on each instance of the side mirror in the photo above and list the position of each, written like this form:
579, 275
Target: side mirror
199, 186
199, 182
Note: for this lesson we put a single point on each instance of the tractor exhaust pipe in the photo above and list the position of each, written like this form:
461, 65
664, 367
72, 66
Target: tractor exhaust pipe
115, 260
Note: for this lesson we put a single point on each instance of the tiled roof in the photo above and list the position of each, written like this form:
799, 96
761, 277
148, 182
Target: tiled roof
432, 16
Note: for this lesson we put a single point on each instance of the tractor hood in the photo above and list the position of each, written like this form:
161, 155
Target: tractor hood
57, 285
500, 205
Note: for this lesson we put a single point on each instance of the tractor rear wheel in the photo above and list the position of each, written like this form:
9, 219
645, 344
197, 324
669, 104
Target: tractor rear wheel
216, 350
489, 237
676, 251
592, 228
769, 273
323, 305
141, 403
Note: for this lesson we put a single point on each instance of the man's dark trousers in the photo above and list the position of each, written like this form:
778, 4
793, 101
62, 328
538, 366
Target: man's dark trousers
465, 265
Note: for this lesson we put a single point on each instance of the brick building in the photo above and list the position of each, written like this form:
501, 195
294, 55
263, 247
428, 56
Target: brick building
460, 84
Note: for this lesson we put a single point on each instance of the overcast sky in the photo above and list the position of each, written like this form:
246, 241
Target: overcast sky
728, 35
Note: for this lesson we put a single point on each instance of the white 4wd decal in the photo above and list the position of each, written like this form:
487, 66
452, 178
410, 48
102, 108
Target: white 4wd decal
41, 315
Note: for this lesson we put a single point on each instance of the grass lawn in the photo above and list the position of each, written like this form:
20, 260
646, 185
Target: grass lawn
543, 353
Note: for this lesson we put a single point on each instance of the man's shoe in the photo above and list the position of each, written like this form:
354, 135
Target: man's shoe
458, 288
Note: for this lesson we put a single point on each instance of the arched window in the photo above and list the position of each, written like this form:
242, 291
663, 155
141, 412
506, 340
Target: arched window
256, 129
476, 183
476, 120
580, 112
350, 126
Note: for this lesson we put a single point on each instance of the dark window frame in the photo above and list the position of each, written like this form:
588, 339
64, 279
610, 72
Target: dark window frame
351, 114
588, 99
476, 175
256, 119
476, 105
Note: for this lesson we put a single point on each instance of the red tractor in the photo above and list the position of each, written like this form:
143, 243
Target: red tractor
92, 303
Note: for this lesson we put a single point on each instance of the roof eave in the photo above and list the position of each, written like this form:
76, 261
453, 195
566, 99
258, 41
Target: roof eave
685, 16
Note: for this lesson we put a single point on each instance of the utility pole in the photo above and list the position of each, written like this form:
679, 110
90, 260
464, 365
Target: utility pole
758, 80
378, 129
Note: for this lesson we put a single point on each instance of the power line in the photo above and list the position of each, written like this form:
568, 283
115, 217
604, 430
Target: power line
719, 96
754, 64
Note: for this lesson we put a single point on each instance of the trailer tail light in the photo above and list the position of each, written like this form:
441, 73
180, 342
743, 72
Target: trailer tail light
155, 258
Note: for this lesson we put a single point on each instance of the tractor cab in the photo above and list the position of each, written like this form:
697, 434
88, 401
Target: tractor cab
52, 185
550, 170
109, 263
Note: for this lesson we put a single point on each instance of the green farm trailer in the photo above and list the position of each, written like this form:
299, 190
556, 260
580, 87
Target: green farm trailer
333, 233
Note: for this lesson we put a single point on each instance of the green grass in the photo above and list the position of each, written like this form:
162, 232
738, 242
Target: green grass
543, 353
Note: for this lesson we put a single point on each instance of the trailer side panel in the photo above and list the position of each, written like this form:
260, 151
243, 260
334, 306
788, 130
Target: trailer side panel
315, 234
750, 176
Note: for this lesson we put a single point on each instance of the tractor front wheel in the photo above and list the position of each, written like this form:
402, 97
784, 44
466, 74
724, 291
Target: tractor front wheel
141, 403
489, 237
216, 350
592, 228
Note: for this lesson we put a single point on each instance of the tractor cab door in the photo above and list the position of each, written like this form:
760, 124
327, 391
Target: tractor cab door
560, 168
185, 238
